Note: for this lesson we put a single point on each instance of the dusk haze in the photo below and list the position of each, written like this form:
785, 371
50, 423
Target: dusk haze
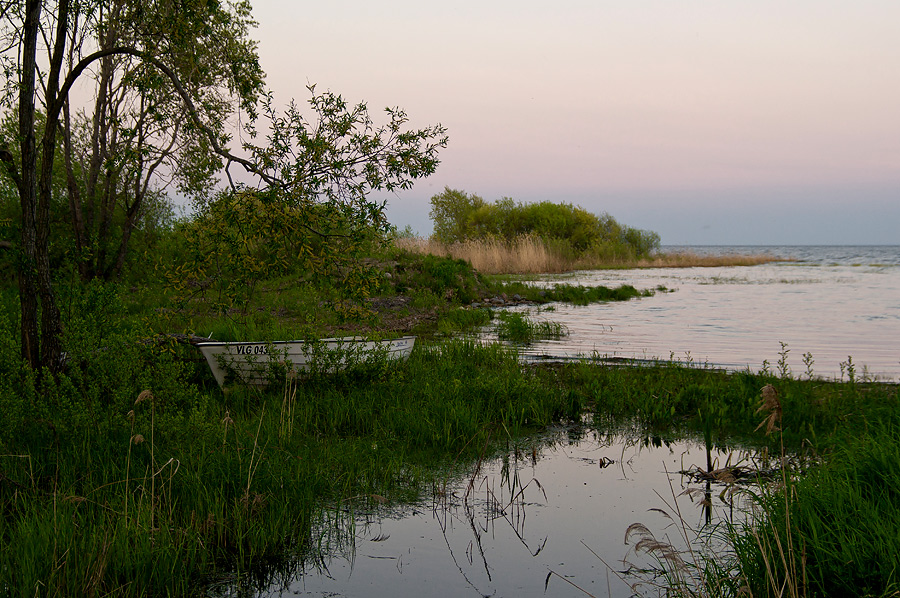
710, 123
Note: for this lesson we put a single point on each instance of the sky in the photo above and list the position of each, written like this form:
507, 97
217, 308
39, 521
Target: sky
758, 122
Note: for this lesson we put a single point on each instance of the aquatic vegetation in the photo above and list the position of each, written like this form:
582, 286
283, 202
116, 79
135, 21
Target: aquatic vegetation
517, 327
830, 528
529, 254
132, 471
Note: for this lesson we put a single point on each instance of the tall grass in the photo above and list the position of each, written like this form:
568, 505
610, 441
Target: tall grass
833, 531
519, 328
132, 474
825, 526
168, 488
525, 255
532, 255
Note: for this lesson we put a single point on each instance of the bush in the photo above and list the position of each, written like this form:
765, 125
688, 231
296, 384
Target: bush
570, 231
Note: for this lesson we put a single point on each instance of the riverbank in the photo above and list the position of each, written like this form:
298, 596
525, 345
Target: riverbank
132, 474
159, 483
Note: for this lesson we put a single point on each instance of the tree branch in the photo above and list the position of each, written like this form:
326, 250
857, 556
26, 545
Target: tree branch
54, 109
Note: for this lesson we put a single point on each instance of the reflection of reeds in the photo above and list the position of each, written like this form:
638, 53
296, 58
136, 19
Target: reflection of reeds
530, 255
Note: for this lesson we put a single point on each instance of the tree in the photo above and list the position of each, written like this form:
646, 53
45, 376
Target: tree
137, 135
48, 38
571, 229
452, 211
182, 63
311, 208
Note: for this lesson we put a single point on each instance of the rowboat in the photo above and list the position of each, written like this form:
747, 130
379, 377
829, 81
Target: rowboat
256, 363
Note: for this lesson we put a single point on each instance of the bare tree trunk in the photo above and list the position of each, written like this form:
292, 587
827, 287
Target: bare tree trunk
51, 323
28, 188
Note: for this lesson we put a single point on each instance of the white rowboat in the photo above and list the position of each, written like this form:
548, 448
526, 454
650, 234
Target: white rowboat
254, 363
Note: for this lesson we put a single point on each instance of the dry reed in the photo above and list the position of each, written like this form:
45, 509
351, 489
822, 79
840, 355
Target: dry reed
530, 255
525, 255
689, 259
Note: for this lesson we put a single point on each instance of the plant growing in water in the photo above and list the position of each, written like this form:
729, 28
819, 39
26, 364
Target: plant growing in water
517, 327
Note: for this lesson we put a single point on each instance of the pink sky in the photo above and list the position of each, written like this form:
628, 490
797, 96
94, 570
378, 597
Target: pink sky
709, 122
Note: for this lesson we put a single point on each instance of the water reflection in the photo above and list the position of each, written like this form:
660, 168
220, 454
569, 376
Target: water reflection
551, 511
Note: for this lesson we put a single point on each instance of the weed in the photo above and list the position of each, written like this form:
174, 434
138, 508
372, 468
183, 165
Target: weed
518, 328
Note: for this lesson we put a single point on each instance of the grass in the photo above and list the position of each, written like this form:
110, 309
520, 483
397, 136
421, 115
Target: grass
835, 530
530, 255
828, 525
421, 295
106, 488
518, 328
132, 474
156, 492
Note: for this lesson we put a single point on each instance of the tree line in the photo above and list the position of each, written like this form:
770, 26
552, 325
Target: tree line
459, 216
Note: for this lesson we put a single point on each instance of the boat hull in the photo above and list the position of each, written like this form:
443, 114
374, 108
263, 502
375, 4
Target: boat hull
255, 363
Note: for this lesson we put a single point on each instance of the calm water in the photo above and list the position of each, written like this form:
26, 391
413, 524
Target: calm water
834, 303
500, 530
543, 508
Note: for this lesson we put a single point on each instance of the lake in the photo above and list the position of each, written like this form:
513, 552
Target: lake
549, 517
557, 505
841, 305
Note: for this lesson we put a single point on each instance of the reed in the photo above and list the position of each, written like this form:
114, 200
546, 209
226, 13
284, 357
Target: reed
531, 255
104, 512
689, 259
525, 255
234, 488
830, 528
517, 327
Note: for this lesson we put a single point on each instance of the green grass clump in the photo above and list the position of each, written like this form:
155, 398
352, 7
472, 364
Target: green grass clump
567, 293
517, 327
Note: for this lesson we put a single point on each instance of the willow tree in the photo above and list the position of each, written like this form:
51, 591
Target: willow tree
154, 63
138, 135
166, 75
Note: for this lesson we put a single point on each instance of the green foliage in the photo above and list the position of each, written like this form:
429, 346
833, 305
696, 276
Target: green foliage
566, 293
245, 238
313, 217
451, 212
339, 156
167, 490
446, 279
568, 230
519, 328
833, 531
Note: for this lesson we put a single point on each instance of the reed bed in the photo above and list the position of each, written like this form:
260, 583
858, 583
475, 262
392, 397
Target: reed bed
526, 255
689, 259
531, 255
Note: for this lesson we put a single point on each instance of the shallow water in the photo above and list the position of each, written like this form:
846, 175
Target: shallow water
555, 510
841, 305
501, 529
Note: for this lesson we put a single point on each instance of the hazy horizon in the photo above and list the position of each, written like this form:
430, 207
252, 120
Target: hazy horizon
738, 123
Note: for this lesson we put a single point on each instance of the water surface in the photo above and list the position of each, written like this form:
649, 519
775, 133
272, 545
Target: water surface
558, 503
841, 305
551, 513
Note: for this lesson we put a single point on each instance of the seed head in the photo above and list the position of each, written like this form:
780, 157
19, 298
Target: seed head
145, 395
771, 405
137, 439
